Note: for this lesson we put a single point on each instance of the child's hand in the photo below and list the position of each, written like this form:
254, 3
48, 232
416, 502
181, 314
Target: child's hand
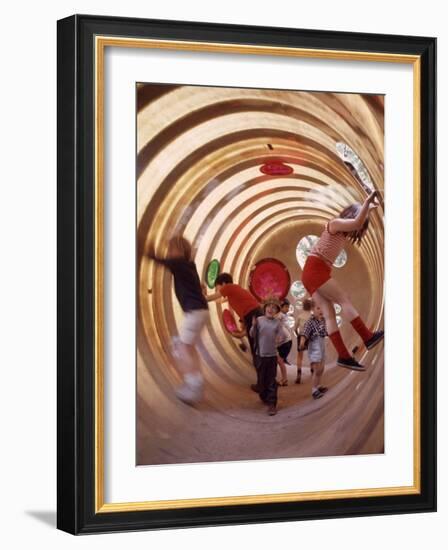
151, 252
371, 198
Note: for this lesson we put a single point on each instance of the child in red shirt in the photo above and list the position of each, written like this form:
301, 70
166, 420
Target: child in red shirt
241, 301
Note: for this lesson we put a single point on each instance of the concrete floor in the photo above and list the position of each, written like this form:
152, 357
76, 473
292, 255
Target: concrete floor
231, 423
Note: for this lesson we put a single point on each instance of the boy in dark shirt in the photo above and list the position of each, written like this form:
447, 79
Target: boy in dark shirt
187, 287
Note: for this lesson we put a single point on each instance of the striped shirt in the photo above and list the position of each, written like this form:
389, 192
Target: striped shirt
314, 328
329, 246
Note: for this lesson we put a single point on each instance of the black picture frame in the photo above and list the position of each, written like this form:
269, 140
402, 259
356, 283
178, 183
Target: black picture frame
76, 474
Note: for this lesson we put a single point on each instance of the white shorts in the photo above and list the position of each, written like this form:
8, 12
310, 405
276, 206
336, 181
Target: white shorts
316, 350
192, 325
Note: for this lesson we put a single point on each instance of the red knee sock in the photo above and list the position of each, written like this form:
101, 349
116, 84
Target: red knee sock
338, 343
361, 329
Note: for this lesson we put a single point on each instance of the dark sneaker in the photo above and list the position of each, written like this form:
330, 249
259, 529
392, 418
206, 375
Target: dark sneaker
322, 389
272, 410
349, 363
376, 339
299, 377
317, 394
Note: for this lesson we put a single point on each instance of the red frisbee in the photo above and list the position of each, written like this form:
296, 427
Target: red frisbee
269, 278
229, 321
276, 168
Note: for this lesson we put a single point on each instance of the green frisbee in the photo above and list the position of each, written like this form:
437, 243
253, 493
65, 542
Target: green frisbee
212, 273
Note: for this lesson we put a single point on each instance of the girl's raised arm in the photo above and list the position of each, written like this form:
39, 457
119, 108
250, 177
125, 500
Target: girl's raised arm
151, 254
348, 225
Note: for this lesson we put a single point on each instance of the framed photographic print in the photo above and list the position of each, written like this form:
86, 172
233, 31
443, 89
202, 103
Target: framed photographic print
246, 274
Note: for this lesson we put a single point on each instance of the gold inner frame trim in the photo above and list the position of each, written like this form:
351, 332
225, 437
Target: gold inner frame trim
101, 42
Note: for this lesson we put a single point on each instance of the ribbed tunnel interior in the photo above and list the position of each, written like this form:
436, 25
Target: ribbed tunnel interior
199, 155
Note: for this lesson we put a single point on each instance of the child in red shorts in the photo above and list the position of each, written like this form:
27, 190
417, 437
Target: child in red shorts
351, 224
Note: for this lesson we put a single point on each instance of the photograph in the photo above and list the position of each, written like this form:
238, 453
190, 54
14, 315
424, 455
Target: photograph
260, 295
243, 212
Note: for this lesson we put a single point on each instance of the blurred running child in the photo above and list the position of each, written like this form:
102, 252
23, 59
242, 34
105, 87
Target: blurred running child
187, 287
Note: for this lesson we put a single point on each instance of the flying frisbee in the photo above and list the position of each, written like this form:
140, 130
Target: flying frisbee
229, 321
269, 278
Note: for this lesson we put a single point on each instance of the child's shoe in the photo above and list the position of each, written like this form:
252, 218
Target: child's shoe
175, 341
375, 339
350, 363
192, 390
317, 394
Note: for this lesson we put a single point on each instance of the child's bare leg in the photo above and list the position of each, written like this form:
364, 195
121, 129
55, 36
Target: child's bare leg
334, 293
321, 387
328, 311
317, 374
189, 363
191, 390
284, 376
318, 369
332, 326
299, 366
